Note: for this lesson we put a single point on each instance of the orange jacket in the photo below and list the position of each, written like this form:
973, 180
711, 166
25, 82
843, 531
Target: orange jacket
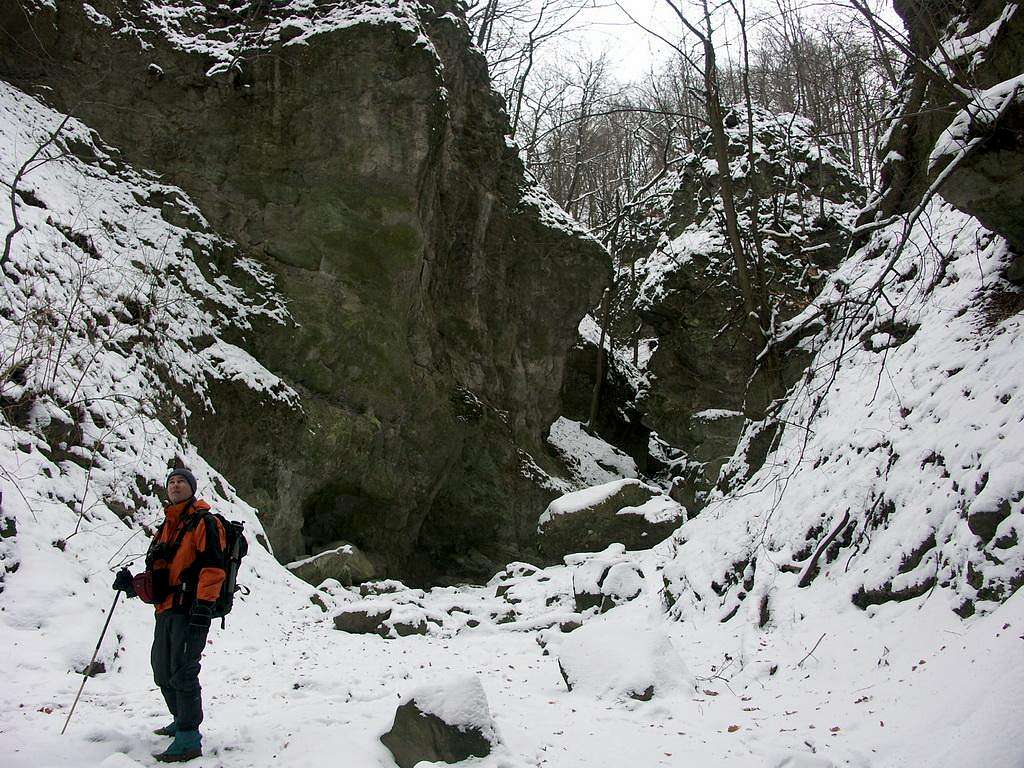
195, 552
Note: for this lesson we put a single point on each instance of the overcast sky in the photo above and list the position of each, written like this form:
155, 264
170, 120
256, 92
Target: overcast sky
633, 51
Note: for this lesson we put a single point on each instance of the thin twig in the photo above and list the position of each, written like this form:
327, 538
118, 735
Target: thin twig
810, 652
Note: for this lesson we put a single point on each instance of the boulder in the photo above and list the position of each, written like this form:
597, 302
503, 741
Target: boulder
519, 570
604, 585
627, 512
383, 587
362, 621
622, 583
342, 561
409, 623
448, 721
384, 619
622, 655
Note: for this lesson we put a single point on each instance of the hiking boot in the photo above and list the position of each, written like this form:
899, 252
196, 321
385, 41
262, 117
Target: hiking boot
167, 730
186, 746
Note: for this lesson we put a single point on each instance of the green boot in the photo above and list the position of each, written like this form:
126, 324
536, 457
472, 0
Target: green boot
167, 730
186, 745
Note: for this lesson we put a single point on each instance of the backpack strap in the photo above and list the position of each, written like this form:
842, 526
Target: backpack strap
151, 550
214, 551
169, 548
189, 525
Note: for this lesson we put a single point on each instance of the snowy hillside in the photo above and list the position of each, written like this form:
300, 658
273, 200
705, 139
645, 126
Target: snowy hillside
911, 455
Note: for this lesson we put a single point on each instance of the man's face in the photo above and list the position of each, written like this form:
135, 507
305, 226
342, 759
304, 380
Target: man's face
178, 489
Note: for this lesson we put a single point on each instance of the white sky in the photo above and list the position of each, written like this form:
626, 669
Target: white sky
633, 51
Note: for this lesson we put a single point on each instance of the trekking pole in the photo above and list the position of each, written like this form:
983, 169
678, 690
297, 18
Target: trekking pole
88, 669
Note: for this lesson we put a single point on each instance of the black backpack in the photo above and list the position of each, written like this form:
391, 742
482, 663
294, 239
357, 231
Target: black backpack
230, 558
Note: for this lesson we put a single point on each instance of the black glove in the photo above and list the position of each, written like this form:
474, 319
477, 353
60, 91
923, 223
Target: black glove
123, 582
202, 612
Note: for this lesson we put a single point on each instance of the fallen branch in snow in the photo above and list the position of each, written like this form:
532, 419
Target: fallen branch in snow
812, 566
811, 652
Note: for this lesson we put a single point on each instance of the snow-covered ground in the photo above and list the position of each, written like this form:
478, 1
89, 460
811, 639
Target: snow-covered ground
824, 685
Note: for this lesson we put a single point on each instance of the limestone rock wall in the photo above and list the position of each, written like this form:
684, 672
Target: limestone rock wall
357, 150
693, 371
959, 126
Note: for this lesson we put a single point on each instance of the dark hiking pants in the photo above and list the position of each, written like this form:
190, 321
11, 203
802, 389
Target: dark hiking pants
177, 648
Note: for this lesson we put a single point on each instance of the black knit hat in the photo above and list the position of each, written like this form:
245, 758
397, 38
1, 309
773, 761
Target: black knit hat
186, 475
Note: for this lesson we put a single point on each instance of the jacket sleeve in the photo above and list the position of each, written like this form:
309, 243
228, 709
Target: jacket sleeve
210, 552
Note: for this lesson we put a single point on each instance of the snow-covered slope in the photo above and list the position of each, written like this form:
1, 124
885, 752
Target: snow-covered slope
892, 502
904, 440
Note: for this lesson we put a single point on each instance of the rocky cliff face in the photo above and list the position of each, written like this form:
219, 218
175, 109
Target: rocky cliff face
959, 128
357, 151
679, 329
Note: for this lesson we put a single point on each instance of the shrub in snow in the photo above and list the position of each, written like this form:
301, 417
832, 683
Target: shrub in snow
447, 721
627, 512
622, 654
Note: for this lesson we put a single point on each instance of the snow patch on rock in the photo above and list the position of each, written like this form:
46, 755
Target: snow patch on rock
622, 654
591, 460
459, 701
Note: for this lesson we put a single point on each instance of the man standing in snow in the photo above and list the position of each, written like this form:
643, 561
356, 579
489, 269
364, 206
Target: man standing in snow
183, 578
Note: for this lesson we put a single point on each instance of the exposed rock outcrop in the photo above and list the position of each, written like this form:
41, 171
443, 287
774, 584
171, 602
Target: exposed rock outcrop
627, 512
966, 76
685, 285
684, 366
357, 152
